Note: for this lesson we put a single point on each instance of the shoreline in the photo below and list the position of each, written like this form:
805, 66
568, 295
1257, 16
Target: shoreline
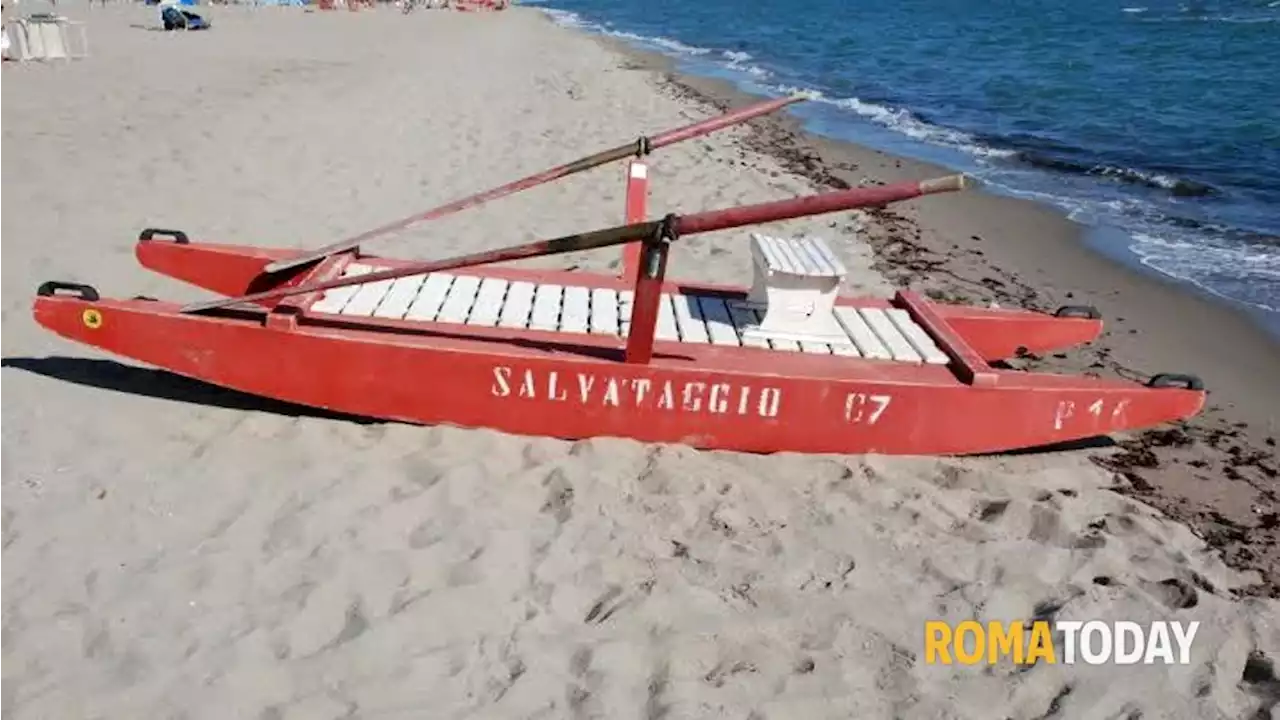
1215, 472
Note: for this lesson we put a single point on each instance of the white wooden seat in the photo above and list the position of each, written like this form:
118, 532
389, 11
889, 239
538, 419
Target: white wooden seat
794, 283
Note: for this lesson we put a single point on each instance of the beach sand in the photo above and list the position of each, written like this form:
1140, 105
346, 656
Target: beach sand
174, 550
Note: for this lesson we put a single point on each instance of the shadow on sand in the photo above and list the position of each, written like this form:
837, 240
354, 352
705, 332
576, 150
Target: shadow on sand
162, 384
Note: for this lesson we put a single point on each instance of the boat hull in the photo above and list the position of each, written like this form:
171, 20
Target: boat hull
539, 384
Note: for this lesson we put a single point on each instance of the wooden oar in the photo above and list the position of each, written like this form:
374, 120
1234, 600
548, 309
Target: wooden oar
677, 226
639, 147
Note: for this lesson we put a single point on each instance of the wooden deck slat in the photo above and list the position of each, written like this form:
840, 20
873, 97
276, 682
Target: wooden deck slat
400, 297
546, 308
604, 312
367, 298
845, 350
916, 335
625, 300
518, 305
488, 304
575, 310
430, 297
873, 333
334, 300
457, 304
719, 323
745, 318
862, 335
689, 320
899, 347
667, 328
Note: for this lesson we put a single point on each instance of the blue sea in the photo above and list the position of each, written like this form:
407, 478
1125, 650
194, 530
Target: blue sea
1156, 123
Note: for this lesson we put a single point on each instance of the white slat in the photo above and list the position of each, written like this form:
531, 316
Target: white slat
367, 298
575, 312
918, 338
815, 348
430, 297
667, 329
823, 252
861, 334
546, 308
745, 318
892, 338
334, 300
457, 304
787, 345
604, 311
516, 308
399, 297
719, 323
625, 300
689, 319
488, 304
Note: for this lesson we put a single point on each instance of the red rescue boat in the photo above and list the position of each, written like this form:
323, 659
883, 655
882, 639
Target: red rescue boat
785, 365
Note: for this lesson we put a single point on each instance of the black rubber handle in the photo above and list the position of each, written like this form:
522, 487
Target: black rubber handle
86, 292
1086, 312
1176, 380
177, 235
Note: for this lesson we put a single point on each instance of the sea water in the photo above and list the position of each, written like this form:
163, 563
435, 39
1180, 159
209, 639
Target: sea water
1156, 122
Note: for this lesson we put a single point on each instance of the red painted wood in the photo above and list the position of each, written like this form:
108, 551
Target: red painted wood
637, 184
704, 396
967, 364
644, 307
998, 333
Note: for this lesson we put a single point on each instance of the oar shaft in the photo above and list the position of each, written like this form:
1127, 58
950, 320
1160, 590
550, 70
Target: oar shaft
591, 161
711, 125
713, 220
702, 222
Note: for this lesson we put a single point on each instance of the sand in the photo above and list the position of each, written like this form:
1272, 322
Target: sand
173, 550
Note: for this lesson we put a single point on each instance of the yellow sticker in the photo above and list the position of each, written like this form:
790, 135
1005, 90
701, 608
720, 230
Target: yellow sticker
92, 319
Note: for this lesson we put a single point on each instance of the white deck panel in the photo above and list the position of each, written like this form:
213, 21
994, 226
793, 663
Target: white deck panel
488, 304
872, 333
689, 319
546, 308
334, 300
457, 304
518, 305
899, 347
400, 297
745, 318
430, 297
367, 298
604, 312
719, 323
666, 329
625, 300
861, 334
575, 312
